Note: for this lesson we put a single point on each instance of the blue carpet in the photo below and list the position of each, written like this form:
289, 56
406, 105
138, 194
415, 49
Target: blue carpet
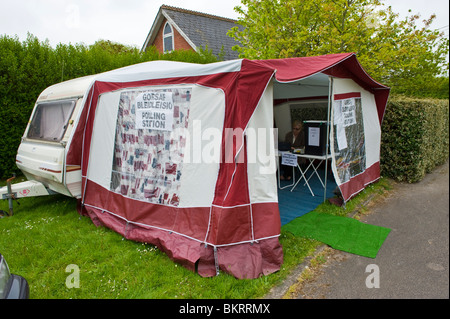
300, 201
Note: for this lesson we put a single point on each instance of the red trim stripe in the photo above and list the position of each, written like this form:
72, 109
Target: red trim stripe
357, 183
49, 170
344, 96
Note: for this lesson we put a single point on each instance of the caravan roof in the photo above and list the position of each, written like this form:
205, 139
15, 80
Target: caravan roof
67, 89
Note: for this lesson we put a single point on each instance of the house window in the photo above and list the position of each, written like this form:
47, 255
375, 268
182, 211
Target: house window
168, 37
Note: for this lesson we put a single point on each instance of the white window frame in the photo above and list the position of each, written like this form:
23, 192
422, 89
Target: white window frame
171, 34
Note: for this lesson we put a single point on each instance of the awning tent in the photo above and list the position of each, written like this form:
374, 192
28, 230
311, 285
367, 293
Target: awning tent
181, 155
341, 80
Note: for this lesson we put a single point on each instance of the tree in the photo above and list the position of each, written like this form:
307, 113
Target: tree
397, 53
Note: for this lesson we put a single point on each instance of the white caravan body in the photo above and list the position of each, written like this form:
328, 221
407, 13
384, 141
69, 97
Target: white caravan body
42, 152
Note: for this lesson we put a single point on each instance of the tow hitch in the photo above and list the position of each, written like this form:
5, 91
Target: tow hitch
20, 190
10, 196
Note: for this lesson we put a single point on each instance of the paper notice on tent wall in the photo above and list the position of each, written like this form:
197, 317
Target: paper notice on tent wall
344, 115
341, 137
348, 114
154, 111
344, 112
349, 118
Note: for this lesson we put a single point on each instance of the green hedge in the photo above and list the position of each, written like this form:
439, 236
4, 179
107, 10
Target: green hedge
27, 68
415, 137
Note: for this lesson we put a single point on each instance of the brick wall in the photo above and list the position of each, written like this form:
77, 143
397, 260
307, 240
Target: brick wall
179, 42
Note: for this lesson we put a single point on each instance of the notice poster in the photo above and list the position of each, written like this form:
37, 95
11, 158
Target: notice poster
348, 112
288, 159
314, 136
349, 137
150, 142
154, 111
345, 112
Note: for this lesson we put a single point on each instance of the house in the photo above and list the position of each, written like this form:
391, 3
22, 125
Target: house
176, 28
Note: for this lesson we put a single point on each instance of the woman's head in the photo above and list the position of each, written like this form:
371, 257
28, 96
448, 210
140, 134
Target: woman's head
296, 127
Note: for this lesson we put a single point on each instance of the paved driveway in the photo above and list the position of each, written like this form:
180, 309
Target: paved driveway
413, 261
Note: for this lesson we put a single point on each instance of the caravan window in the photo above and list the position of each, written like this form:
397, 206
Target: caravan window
50, 120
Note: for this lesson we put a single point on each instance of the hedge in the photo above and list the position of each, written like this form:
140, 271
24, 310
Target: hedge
415, 137
27, 68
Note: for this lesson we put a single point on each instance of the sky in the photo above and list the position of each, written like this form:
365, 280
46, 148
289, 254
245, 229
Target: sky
128, 22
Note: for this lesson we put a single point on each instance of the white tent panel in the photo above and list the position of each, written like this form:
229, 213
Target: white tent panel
372, 129
103, 138
203, 147
203, 140
261, 167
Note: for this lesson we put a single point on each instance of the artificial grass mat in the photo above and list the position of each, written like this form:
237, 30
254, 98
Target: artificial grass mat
342, 233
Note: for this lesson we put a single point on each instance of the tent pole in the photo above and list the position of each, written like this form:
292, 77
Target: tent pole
330, 96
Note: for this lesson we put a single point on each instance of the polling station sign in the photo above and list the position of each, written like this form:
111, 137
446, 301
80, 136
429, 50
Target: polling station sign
154, 111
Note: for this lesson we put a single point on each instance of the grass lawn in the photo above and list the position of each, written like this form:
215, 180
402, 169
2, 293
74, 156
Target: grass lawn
46, 234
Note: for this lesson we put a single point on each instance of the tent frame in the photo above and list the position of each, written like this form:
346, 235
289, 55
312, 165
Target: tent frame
330, 95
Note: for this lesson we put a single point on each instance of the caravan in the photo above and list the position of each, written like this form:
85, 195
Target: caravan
42, 152
89, 138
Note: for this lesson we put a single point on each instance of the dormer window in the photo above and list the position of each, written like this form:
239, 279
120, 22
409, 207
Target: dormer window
168, 37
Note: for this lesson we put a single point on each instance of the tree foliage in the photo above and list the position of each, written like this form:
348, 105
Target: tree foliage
395, 52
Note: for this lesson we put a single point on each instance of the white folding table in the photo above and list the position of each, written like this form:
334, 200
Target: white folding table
303, 172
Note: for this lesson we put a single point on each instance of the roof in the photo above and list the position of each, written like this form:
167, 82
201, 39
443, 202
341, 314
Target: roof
198, 29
